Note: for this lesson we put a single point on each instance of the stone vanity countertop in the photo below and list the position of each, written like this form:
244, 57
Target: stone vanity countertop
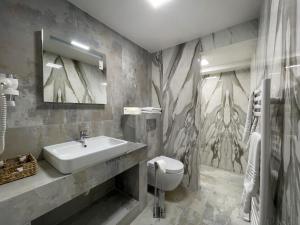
52, 188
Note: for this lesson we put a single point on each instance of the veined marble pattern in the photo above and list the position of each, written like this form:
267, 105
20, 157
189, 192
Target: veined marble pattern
278, 57
224, 100
181, 75
176, 87
74, 82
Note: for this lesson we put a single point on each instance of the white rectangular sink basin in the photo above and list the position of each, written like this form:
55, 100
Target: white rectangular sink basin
72, 156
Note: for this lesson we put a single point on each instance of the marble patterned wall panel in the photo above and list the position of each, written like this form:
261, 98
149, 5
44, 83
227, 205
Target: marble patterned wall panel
179, 109
223, 102
155, 85
278, 58
176, 86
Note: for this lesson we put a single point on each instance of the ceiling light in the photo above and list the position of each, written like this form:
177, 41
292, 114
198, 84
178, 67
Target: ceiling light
53, 65
204, 62
80, 45
292, 66
209, 78
158, 3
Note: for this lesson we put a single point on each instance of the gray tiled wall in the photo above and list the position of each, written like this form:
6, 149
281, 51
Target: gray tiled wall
33, 124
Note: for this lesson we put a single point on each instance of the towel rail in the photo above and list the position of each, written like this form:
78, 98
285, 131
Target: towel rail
257, 99
257, 106
261, 110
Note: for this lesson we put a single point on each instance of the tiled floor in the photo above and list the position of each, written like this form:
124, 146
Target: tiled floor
216, 203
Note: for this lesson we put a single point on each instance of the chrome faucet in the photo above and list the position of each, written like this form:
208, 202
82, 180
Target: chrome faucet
83, 137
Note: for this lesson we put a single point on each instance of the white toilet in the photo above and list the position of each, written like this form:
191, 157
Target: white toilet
169, 180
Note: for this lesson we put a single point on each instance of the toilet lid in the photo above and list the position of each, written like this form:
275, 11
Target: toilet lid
172, 165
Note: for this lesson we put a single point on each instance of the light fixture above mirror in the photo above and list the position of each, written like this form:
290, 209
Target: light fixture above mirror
80, 45
158, 3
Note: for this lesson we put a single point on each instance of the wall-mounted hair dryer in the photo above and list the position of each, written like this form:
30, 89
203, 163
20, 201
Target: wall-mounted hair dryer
8, 91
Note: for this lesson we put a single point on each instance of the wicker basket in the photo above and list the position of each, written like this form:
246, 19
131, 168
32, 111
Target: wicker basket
14, 169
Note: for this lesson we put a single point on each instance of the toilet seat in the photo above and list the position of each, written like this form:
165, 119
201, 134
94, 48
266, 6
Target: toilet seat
173, 166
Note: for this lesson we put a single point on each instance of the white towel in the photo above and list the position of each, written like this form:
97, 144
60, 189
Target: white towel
132, 111
151, 110
254, 211
251, 180
138, 110
251, 121
248, 123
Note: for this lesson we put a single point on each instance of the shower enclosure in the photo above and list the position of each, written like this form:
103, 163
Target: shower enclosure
203, 88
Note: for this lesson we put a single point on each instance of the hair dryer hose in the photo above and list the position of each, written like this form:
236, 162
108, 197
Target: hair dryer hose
3, 114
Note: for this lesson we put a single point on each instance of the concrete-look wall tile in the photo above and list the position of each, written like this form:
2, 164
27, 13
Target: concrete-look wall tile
33, 124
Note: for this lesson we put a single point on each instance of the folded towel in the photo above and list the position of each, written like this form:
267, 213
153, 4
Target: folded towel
251, 180
151, 109
254, 211
251, 121
132, 111
248, 124
138, 110
153, 112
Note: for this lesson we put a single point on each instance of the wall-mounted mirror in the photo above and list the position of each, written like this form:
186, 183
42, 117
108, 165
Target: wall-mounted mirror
73, 72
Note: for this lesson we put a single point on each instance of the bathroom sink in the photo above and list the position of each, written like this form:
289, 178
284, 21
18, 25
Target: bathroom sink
73, 156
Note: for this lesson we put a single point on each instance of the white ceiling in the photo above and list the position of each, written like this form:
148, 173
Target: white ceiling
175, 22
